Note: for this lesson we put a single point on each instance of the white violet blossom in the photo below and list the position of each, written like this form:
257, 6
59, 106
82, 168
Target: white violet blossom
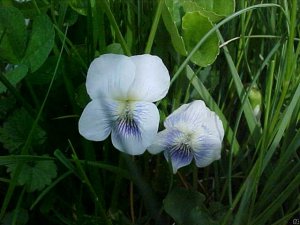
192, 132
123, 90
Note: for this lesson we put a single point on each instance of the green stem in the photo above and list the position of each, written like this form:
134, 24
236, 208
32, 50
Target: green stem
17, 210
97, 198
290, 62
114, 24
154, 27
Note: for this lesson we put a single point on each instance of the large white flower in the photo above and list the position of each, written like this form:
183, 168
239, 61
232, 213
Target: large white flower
192, 131
122, 90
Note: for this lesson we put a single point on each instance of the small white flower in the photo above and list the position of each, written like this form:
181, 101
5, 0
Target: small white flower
192, 131
122, 90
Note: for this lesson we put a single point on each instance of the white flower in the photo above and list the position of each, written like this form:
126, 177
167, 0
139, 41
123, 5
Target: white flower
192, 131
122, 90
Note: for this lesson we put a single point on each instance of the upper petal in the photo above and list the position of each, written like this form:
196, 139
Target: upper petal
134, 136
96, 120
110, 75
152, 79
214, 125
188, 117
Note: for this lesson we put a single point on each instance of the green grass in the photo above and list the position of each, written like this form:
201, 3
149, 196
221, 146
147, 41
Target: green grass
256, 181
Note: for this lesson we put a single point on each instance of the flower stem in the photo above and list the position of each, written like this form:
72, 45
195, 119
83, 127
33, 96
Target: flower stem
154, 27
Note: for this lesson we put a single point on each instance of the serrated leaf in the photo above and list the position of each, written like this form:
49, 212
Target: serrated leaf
13, 33
41, 42
35, 175
172, 21
195, 26
14, 76
187, 207
13, 133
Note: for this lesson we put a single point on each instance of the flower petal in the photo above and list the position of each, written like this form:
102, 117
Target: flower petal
160, 143
180, 155
134, 136
172, 141
111, 76
152, 79
96, 120
188, 116
213, 125
206, 150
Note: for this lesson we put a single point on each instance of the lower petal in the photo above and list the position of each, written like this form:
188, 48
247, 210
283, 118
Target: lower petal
96, 120
207, 150
180, 156
133, 136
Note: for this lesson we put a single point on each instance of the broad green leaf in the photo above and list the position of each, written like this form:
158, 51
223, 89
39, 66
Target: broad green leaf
14, 131
41, 42
114, 48
195, 26
190, 6
35, 175
174, 7
172, 22
80, 6
187, 207
218, 7
14, 76
12, 33
29, 9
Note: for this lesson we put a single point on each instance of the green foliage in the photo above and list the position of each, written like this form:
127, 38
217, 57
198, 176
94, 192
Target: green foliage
41, 42
215, 10
251, 57
21, 215
207, 53
35, 175
13, 34
14, 76
14, 132
187, 207
172, 20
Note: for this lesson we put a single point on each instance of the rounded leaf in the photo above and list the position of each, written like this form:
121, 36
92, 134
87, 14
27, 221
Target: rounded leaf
195, 25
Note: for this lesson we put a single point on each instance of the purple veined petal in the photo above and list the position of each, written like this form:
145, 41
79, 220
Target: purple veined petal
96, 120
206, 149
111, 76
180, 155
152, 79
176, 148
135, 131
